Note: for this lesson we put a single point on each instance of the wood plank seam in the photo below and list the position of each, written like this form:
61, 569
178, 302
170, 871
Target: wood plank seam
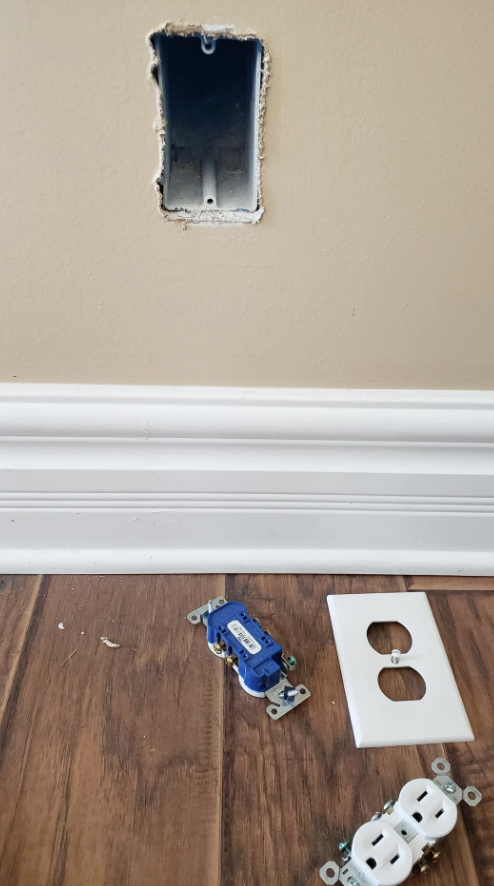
35, 609
15, 625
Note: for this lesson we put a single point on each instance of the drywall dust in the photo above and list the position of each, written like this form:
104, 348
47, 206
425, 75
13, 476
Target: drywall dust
110, 643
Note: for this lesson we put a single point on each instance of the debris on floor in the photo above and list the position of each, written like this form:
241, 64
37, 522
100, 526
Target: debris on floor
109, 643
61, 626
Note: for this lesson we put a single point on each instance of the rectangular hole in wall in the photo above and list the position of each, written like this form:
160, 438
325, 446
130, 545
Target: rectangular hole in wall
210, 93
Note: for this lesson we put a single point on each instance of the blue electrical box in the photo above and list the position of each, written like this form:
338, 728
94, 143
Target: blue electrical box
259, 657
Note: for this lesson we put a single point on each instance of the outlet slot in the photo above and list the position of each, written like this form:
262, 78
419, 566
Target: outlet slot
423, 794
438, 814
401, 684
384, 636
210, 88
395, 859
377, 840
371, 862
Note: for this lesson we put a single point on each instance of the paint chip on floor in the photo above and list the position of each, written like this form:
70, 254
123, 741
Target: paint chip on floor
109, 643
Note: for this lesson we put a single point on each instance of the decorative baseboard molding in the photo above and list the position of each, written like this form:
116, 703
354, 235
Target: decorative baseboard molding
114, 479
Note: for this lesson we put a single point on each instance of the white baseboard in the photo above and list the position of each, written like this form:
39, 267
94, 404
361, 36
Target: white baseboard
114, 479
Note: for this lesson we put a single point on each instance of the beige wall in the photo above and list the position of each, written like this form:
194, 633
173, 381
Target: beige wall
374, 263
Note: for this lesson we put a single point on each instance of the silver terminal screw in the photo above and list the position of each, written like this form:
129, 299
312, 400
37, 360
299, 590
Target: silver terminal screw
395, 656
388, 805
376, 816
449, 787
353, 882
288, 693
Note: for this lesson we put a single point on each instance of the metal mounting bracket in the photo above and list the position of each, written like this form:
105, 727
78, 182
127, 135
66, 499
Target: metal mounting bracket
196, 617
442, 768
284, 697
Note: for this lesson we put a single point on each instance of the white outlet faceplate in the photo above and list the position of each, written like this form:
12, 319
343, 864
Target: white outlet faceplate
377, 721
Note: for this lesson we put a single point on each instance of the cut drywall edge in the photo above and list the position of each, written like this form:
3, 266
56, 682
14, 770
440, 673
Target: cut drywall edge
203, 217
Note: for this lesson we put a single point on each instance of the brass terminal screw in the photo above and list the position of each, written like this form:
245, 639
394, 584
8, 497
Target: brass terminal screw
219, 647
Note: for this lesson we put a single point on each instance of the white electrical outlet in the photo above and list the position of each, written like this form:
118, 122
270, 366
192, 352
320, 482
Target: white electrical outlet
385, 850
382, 854
427, 808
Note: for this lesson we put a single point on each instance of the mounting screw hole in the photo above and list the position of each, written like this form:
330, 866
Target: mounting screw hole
208, 45
303, 691
194, 618
210, 200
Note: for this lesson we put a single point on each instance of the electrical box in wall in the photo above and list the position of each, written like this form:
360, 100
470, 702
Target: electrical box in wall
210, 95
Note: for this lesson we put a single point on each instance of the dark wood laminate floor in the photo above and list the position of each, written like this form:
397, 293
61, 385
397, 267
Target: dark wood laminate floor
146, 764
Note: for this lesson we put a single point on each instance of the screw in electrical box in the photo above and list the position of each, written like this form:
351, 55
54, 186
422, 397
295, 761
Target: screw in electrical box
406, 835
211, 87
252, 653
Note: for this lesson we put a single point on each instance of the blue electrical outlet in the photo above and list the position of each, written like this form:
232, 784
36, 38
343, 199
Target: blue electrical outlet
257, 659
